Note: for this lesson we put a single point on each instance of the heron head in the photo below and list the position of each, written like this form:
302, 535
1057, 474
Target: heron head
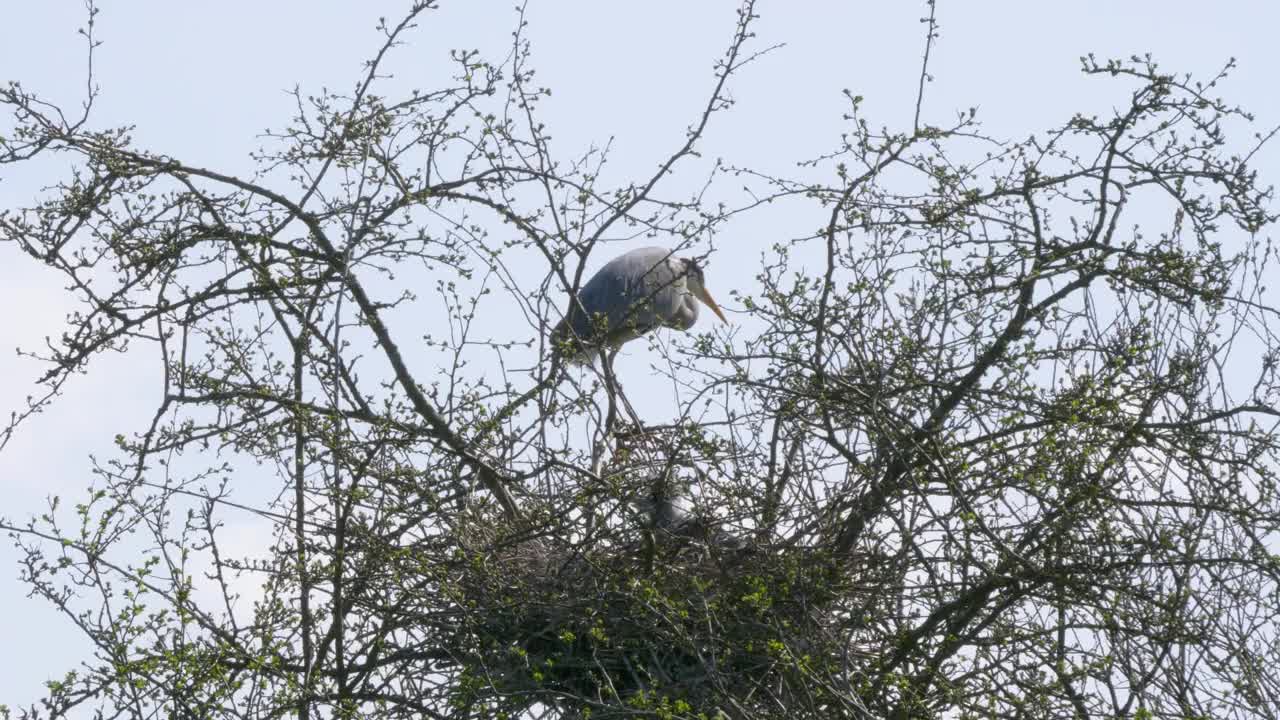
697, 282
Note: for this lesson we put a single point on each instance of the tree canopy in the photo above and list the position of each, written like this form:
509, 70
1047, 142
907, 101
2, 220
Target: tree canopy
1005, 446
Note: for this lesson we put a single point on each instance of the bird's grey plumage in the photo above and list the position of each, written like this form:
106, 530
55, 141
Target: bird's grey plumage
665, 513
671, 516
634, 293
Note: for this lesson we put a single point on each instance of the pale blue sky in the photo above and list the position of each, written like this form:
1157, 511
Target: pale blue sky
200, 80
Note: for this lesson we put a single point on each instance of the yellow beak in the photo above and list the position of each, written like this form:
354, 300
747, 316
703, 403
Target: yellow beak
705, 297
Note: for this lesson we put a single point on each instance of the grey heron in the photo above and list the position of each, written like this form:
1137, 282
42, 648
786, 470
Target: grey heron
634, 293
673, 518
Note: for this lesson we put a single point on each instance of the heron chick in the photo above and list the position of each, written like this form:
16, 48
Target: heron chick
634, 293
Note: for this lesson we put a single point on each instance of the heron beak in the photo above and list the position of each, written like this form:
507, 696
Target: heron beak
705, 297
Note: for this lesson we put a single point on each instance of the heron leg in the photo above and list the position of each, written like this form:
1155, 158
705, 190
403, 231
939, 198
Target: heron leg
612, 386
615, 387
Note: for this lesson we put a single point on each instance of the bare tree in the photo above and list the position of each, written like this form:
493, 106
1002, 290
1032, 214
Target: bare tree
1004, 453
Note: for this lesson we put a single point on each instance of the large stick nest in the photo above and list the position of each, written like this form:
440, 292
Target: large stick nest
669, 624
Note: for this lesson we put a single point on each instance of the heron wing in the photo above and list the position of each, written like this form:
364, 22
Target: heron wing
630, 295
